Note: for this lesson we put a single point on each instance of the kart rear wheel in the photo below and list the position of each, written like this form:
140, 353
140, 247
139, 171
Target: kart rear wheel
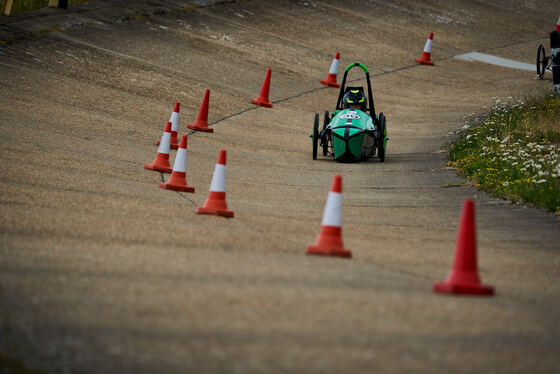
324, 139
542, 61
315, 136
381, 137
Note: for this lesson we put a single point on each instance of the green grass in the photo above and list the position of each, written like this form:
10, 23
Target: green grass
514, 152
22, 6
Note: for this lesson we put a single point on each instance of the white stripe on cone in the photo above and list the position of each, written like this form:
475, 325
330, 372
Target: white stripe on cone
334, 67
165, 143
428, 46
180, 163
174, 119
332, 215
219, 179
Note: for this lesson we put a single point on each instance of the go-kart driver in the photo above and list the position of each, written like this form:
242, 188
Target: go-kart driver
354, 99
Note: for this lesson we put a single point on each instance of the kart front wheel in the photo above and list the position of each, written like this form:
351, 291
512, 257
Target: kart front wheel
315, 136
542, 61
324, 139
381, 137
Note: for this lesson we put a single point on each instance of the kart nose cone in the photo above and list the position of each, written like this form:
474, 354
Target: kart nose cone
347, 143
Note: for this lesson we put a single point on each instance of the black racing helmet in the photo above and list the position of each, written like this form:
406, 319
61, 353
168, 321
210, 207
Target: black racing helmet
354, 96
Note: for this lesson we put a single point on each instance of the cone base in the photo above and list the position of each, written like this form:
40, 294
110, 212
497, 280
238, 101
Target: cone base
423, 62
316, 250
330, 83
172, 145
262, 102
216, 212
195, 127
161, 169
464, 289
174, 187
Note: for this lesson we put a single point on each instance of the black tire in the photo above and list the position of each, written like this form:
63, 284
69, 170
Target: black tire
381, 136
324, 139
315, 136
541, 61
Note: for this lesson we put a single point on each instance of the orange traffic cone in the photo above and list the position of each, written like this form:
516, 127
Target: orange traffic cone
330, 80
178, 179
425, 58
161, 162
262, 100
201, 123
216, 202
329, 242
463, 277
174, 127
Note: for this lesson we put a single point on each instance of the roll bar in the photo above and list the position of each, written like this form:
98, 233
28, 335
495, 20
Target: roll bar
370, 95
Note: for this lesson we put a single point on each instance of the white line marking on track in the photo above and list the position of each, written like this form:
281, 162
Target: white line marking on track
489, 59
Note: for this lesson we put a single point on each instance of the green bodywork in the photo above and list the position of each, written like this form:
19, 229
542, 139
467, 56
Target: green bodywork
350, 128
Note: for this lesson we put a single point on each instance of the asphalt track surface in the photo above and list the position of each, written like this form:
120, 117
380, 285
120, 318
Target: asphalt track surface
103, 272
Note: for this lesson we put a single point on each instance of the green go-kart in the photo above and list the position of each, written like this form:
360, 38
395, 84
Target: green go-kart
351, 134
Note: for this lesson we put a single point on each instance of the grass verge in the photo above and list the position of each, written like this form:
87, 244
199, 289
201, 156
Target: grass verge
514, 152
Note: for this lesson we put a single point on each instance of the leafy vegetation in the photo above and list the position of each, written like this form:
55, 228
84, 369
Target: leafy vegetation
515, 151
